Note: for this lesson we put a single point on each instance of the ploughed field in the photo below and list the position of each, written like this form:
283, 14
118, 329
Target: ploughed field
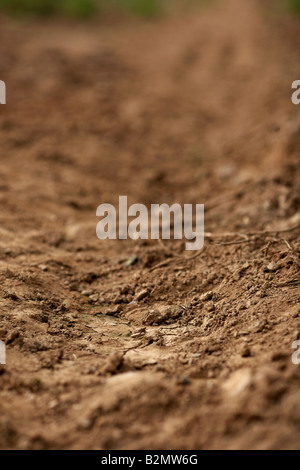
141, 344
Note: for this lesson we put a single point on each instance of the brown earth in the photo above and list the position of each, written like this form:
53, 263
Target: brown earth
180, 350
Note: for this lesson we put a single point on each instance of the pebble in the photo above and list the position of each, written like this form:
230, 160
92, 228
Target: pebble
207, 296
86, 292
142, 294
272, 266
43, 267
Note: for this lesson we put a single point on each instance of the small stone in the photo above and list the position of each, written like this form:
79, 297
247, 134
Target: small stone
153, 317
244, 267
211, 307
85, 423
139, 333
87, 293
114, 310
12, 336
142, 294
238, 382
43, 267
246, 352
207, 296
272, 266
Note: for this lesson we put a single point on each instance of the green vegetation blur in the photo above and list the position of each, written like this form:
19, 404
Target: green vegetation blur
294, 5
81, 8
48, 7
86, 8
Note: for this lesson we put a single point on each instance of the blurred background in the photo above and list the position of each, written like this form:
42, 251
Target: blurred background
85, 8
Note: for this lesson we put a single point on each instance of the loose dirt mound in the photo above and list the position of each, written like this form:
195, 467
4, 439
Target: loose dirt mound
177, 350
